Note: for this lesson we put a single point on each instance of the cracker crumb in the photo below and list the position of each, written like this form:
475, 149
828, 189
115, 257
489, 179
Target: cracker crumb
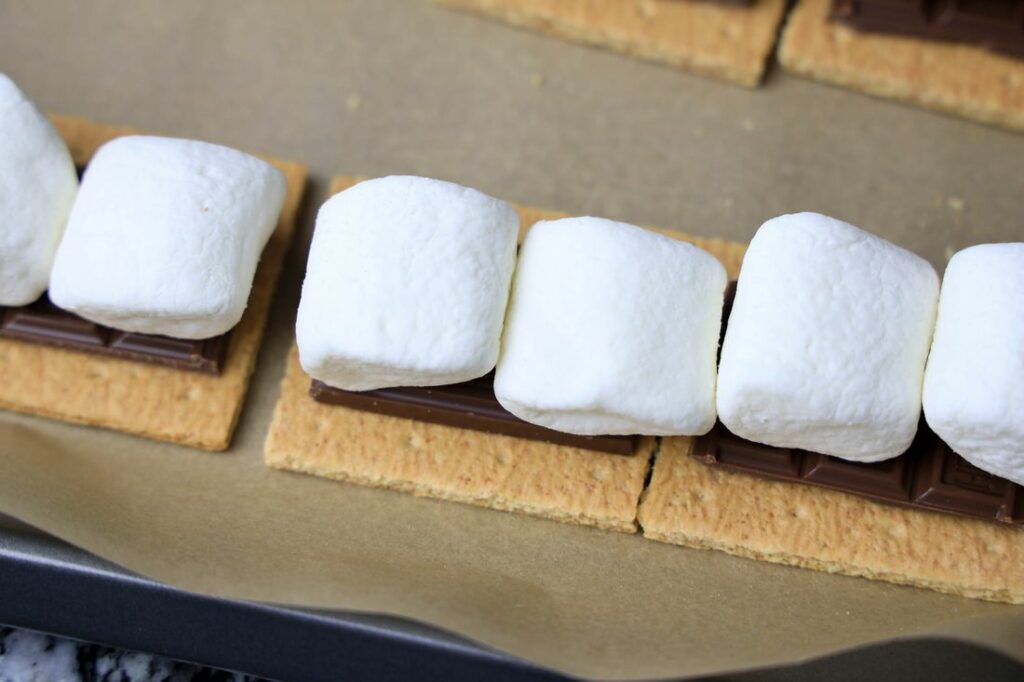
748, 125
353, 102
536, 80
955, 204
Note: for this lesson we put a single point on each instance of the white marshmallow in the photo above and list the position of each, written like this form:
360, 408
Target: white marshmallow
165, 236
827, 340
406, 284
611, 330
974, 384
37, 186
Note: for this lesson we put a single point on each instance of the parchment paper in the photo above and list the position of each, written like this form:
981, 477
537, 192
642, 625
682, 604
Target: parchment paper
375, 87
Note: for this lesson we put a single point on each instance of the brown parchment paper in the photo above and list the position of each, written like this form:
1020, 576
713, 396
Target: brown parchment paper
373, 87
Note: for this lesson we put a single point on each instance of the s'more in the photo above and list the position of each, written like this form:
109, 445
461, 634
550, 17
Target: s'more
415, 282
136, 298
779, 418
821, 457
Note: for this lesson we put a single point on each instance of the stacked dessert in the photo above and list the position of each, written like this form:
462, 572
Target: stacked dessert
613, 330
600, 335
151, 259
408, 282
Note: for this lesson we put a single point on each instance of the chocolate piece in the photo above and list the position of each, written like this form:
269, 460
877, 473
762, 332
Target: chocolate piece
997, 25
928, 476
469, 405
42, 322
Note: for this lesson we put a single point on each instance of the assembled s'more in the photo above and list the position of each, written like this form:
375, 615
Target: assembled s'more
822, 458
121, 294
609, 336
438, 251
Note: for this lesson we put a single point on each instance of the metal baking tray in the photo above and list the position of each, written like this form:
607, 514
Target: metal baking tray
51, 586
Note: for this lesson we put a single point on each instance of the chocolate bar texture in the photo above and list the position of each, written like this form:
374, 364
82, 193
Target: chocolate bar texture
997, 25
44, 323
928, 476
468, 405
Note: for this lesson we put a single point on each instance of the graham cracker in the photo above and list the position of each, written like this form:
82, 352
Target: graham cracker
692, 504
957, 79
513, 474
729, 42
148, 400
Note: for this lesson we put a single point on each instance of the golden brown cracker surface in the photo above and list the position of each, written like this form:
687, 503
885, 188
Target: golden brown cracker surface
957, 79
513, 474
692, 504
729, 42
148, 400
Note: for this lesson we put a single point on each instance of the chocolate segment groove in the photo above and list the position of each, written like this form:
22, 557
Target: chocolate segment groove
928, 476
997, 25
469, 405
44, 323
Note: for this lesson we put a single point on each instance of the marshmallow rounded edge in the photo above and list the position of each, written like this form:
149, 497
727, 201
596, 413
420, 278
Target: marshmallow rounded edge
827, 340
38, 183
165, 236
406, 284
974, 383
611, 329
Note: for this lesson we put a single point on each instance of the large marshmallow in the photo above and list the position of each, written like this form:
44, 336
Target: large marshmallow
37, 186
827, 340
611, 330
974, 384
406, 284
165, 236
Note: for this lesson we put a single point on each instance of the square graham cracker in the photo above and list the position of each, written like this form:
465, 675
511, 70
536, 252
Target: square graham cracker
692, 504
956, 79
513, 474
157, 402
728, 42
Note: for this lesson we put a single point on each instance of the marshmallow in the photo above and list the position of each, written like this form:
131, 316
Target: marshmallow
974, 384
37, 186
406, 284
827, 340
611, 330
165, 236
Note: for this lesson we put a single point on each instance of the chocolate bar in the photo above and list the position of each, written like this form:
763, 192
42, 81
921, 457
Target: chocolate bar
469, 405
928, 476
42, 322
997, 25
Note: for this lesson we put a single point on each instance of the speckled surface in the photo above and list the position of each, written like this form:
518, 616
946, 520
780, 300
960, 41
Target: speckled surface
27, 656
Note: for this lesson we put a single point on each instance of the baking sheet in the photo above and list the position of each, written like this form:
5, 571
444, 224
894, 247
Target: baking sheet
377, 87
